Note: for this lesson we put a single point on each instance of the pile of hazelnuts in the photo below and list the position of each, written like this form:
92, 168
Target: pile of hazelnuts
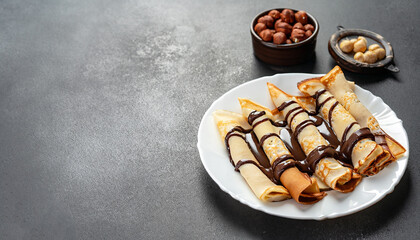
284, 27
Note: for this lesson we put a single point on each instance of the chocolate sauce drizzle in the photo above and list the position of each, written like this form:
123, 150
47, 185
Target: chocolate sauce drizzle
340, 150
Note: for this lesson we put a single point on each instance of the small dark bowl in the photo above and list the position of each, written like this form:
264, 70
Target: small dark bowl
284, 54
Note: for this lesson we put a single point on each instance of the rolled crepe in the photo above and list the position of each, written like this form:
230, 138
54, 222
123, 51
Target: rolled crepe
336, 83
325, 167
300, 186
228, 123
364, 153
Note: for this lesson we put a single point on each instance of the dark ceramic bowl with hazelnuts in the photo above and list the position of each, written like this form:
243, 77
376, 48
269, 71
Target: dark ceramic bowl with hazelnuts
284, 36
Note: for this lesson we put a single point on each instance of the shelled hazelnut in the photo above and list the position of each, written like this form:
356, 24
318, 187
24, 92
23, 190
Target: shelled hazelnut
301, 17
380, 53
346, 46
274, 14
266, 35
259, 27
370, 57
279, 38
283, 28
297, 35
287, 16
308, 33
267, 20
359, 56
298, 26
358, 46
309, 27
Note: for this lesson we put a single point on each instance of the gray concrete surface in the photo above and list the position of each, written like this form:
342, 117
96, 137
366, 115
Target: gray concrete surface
100, 103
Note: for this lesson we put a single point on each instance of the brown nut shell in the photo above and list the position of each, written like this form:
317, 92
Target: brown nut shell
283, 27
287, 16
259, 27
274, 14
267, 20
279, 38
301, 17
266, 35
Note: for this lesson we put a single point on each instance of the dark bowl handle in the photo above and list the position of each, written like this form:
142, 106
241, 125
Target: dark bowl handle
392, 68
339, 27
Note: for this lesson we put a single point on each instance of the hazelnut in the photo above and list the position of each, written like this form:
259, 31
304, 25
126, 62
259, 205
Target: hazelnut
274, 14
308, 34
309, 27
373, 47
283, 27
298, 26
287, 16
259, 27
288, 41
266, 35
346, 46
360, 45
267, 20
362, 39
279, 38
301, 17
370, 57
359, 57
298, 35
380, 53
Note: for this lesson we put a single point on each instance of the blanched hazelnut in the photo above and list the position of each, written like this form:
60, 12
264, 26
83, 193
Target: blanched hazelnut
373, 47
288, 41
309, 27
287, 16
308, 34
259, 27
362, 39
301, 17
370, 57
346, 46
380, 53
359, 45
266, 35
267, 20
298, 35
359, 56
274, 14
298, 26
283, 27
279, 38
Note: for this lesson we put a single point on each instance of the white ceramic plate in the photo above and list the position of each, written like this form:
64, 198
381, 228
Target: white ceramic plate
216, 161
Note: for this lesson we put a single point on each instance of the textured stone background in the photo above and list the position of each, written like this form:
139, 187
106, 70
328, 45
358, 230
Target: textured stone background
100, 103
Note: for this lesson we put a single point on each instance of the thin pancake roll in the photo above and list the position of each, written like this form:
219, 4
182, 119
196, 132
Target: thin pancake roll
300, 186
336, 83
320, 155
357, 143
232, 127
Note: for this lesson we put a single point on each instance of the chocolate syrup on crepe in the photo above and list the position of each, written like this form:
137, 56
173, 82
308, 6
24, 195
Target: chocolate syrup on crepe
341, 151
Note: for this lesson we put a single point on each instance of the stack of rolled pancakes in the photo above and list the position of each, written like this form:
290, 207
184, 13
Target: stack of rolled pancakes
362, 141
